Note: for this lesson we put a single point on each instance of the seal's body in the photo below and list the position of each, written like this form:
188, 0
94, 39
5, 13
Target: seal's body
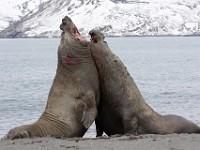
122, 109
73, 98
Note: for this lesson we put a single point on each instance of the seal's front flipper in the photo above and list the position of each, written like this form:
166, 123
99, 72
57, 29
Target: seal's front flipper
87, 109
15, 133
88, 117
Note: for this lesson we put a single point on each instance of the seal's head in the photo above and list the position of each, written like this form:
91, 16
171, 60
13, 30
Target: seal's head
67, 26
96, 36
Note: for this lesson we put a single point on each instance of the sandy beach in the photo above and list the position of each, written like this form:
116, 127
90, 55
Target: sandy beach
144, 142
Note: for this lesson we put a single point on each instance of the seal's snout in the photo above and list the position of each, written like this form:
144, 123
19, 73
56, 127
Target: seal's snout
61, 27
66, 21
91, 33
96, 36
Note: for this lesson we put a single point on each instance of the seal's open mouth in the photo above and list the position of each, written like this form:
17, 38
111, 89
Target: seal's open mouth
67, 25
96, 36
78, 36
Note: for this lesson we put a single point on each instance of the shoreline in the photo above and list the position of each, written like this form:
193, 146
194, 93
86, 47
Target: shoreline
130, 142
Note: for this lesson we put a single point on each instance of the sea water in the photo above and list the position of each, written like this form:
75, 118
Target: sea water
166, 70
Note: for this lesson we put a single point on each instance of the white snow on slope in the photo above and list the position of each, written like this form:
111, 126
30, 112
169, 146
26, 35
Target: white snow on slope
13, 10
129, 17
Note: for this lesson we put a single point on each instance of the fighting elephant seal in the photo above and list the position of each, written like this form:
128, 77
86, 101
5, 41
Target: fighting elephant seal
122, 109
73, 98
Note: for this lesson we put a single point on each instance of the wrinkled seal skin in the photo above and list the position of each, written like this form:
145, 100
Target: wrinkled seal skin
122, 109
73, 98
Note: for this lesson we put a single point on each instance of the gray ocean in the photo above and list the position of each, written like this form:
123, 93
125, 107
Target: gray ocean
166, 70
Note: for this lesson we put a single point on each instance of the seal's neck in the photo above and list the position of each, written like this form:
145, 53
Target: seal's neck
67, 37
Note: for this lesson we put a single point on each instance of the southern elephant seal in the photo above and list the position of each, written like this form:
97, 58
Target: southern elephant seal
122, 109
73, 98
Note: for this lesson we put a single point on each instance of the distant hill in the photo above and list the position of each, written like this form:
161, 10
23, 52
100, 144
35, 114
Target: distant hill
34, 18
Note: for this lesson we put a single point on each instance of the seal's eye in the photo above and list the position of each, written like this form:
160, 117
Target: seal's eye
64, 23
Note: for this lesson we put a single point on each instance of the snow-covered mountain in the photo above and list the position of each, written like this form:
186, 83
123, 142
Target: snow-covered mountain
12, 10
41, 18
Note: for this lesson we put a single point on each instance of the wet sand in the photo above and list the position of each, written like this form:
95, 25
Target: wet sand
144, 142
